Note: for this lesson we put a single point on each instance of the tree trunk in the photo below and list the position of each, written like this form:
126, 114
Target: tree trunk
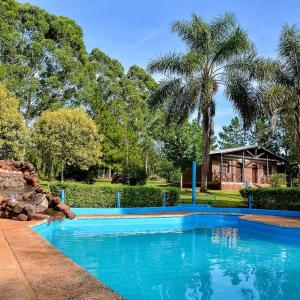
297, 116
206, 142
146, 164
109, 173
62, 173
181, 181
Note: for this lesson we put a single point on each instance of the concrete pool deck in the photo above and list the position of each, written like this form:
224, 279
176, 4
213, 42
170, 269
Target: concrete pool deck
31, 268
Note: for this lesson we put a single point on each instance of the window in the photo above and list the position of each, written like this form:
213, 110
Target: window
226, 167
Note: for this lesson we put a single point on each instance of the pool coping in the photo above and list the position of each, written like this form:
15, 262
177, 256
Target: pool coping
278, 221
31, 268
27, 251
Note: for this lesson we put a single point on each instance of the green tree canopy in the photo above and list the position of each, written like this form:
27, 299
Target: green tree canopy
118, 102
233, 135
66, 137
13, 131
41, 57
183, 145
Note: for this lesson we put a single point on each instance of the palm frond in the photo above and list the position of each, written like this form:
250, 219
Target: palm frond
174, 63
195, 33
244, 97
222, 26
289, 48
236, 43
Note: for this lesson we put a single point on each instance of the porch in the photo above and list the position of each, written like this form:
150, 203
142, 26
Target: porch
233, 169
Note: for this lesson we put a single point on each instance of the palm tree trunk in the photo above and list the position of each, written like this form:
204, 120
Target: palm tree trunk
206, 142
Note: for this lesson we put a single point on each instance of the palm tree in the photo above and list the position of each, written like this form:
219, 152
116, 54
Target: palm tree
280, 82
218, 53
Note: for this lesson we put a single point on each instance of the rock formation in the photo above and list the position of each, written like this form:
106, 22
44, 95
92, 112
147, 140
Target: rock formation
22, 198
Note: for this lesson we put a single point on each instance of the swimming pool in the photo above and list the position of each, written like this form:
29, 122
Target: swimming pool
191, 257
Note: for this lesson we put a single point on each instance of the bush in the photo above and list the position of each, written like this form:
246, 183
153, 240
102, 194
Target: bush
87, 176
274, 198
133, 174
295, 182
84, 195
277, 180
173, 195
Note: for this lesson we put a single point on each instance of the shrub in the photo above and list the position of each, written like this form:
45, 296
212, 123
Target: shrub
274, 198
89, 176
173, 195
140, 196
135, 175
295, 182
277, 179
84, 195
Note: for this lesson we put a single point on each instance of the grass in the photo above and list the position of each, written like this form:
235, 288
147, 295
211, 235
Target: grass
211, 197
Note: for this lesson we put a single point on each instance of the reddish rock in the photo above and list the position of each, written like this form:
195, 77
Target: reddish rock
40, 199
58, 215
38, 190
70, 214
28, 208
39, 209
1, 199
56, 199
39, 217
30, 179
22, 217
63, 207
18, 208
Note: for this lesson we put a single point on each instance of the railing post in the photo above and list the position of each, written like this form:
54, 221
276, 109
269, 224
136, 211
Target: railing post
250, 200
118, 198
164, 198
62, 195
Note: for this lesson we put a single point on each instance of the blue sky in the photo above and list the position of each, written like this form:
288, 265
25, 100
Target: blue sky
135, 31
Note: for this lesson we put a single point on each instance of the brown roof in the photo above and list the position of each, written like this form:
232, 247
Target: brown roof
237, 149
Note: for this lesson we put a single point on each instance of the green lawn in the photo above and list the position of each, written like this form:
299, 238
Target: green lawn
211, 197
214, 198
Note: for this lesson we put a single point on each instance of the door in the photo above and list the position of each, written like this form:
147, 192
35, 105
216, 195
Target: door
239, 172
254, 173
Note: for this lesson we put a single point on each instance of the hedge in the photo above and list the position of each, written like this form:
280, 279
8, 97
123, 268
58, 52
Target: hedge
274, 198
85, 195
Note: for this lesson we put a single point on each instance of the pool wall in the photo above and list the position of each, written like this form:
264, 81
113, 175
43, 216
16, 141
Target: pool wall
183, 208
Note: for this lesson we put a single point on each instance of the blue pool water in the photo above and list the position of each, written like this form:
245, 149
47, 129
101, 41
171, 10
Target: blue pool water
194, 257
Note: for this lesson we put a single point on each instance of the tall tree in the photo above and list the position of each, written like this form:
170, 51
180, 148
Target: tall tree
118, 102
66, 137
41, 57
13, 131
215, 56
280, 84
233, 135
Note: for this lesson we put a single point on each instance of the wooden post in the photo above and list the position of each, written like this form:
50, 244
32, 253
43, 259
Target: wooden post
268, 166
221, 168
243, 167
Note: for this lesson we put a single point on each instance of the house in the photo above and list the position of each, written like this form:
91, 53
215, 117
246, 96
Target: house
233, 168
